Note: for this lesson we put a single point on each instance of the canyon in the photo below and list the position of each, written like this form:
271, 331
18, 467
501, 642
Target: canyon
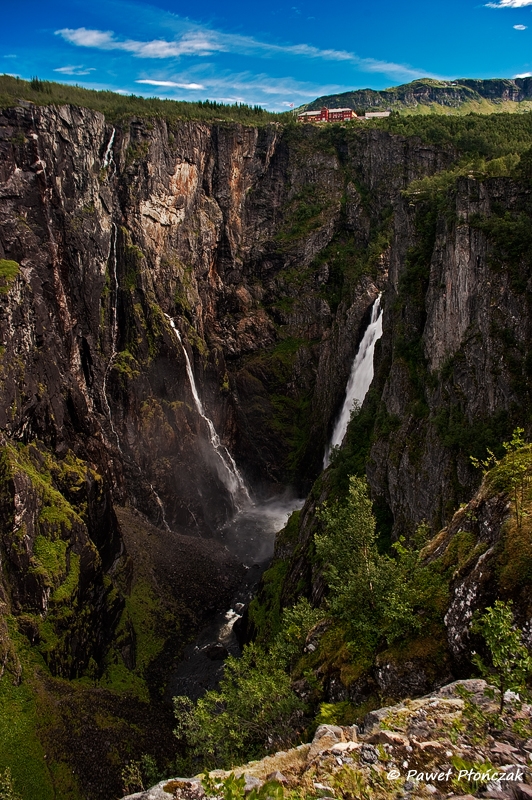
180, 306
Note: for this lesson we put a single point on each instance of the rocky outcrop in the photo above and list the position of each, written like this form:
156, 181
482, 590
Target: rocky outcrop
440, 745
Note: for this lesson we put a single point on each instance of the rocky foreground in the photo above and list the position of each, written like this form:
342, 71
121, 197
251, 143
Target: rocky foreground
451, 743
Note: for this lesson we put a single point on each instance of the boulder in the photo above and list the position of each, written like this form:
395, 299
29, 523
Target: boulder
325, 737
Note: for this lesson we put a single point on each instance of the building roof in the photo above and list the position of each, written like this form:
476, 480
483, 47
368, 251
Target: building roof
337, 110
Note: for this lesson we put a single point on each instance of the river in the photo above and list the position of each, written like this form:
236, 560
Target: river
250, 536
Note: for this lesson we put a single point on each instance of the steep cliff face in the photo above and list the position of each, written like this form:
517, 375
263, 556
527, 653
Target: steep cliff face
457, 346
452, 378
239, 234
147, 269
108, 238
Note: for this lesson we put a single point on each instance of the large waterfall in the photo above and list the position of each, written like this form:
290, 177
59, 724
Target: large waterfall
228, 471
359, 379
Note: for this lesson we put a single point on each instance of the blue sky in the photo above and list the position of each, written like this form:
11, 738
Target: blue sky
272, 54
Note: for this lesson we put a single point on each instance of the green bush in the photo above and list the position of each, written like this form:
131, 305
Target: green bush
511, 663
381, 598
254, 711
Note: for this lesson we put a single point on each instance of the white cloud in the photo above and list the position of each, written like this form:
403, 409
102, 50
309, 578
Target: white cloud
206, 42
10, 55
75, 70
193, 43
510, 4
242, 87
172, 84
524, 75
520, 27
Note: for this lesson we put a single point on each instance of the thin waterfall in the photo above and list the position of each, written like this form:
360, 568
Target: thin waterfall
161, 507
360, 378
108, 155
228, 471
111, 260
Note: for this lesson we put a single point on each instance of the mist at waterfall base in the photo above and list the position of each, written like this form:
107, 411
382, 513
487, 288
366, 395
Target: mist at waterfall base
250, 536
359, 379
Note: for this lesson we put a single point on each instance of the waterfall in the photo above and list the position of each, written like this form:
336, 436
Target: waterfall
359, 379
228, 471
161, 506
108, 155
114, 326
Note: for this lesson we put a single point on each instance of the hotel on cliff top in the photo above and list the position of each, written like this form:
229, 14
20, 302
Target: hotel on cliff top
337, 115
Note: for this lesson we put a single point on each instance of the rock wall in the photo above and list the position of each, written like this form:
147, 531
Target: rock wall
454, 369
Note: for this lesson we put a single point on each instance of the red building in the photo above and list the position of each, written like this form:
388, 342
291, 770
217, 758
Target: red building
327, 115
336, 114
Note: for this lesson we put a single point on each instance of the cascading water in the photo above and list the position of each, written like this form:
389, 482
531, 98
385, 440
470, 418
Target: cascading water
108, 155
111, 259
360, 378
250, 536
161, 507
228, 471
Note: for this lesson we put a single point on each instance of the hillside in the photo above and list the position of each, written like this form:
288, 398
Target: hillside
427, 96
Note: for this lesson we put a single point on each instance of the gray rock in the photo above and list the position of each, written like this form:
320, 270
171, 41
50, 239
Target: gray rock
368, 754
277, 776
252, 783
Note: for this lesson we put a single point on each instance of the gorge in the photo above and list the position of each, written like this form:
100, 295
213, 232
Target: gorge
181, 303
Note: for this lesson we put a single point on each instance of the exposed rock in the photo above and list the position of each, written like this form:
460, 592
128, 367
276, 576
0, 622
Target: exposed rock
393, 767
390, 737
277, 776
325, 738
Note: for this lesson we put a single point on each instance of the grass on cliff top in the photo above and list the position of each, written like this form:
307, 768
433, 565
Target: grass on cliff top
116, 106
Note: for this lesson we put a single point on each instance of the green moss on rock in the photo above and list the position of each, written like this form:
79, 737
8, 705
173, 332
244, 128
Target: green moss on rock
8, 272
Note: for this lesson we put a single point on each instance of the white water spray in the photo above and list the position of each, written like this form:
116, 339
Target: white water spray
108, 155
228, 471
360, 378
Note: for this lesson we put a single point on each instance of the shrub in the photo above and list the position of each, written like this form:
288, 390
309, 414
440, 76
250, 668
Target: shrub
253, 711
511, 663
380, 597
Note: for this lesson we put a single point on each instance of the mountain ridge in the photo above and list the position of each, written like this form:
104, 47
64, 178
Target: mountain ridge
426, 94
